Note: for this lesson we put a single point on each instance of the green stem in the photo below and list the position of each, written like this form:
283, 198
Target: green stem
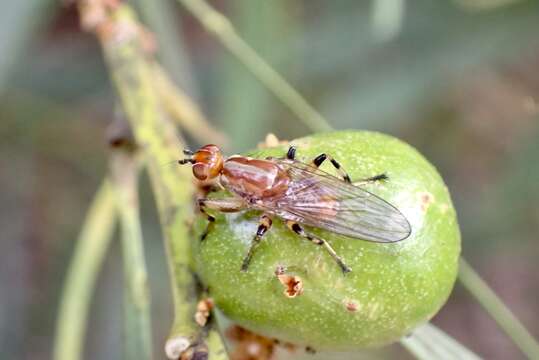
220, 26
137, 332
217, 350
497, 310
165, 25
428, 342
133, 77
184, 110
92, 245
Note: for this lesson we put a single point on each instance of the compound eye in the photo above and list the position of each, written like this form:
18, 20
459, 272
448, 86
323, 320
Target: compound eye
200, 171
202, 156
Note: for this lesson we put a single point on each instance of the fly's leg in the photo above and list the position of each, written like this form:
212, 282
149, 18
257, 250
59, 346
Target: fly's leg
223, 205
323, 157
371, 179
317, 162
205, 189
295, 227
211, 219
291, 154
263, 226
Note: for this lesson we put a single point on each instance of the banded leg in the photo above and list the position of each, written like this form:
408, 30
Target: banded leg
371, 179
222, 205
291, 154
264, 225
295, 227
323, 157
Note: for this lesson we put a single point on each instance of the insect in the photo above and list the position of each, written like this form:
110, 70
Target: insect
300, 194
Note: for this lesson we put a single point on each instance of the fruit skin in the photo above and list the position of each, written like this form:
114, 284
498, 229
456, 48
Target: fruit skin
392, 287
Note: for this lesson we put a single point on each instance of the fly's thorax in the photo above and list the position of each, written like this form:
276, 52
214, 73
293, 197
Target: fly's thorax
254, 178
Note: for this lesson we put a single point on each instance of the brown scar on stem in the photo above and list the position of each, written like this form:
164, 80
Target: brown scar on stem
425, 199
293, 284
204, 308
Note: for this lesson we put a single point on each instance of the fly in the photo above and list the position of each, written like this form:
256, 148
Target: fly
299, 194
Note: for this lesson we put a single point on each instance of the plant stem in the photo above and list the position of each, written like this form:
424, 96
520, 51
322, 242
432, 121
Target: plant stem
217, 24
137, 332
90, 250
428, 342
241, 100
133, 77
164, 22
184, 110
497, 310
217, 350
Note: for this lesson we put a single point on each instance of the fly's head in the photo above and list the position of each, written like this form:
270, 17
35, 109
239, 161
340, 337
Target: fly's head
207, 162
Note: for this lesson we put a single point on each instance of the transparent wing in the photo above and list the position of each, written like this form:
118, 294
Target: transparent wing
318, 199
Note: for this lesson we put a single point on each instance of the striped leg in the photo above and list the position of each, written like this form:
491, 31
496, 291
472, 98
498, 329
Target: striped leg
291, 154
295, 227
323, 157
264, 225
371, 179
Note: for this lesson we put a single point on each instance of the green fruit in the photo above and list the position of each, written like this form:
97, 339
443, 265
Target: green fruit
392, 287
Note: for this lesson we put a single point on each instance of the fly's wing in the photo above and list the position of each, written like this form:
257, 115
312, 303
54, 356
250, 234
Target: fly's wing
318, 199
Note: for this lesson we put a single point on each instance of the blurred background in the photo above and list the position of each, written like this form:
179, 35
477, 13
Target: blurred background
459, 80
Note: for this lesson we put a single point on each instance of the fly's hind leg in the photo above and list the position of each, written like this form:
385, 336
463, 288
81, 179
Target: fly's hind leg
295, 227
263, 226
323, 157
372, 179
222, 205
319, 160
203, 189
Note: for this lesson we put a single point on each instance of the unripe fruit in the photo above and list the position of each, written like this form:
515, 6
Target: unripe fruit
295, 292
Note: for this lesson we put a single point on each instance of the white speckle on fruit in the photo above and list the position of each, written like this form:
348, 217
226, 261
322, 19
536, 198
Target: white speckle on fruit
443, 208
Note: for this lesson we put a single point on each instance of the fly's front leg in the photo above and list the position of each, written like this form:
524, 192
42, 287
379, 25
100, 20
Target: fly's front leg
263, 227
295, 227
223, 205
205, 188
323, 157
